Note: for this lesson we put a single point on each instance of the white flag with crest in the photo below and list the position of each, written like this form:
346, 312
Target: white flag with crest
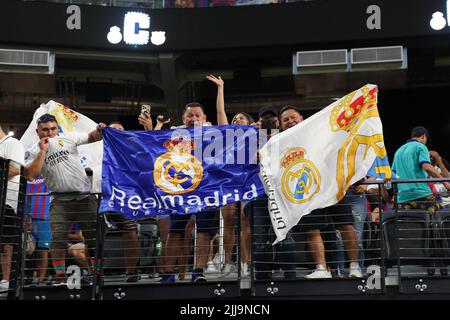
312, 165
91, 155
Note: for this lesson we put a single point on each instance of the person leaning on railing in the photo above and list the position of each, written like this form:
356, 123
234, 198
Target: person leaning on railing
412, 161
442, 166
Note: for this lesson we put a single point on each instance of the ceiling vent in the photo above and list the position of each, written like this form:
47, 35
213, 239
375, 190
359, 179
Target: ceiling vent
322, 61
378, 58
26, 61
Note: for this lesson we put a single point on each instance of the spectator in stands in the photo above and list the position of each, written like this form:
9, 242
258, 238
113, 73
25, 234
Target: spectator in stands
355, 197
193, 115
11, 149
184, 4
182, 261
441, 165
262, 242
213, 265
163, 220
231, 211
255, 2
412, 161
313, 223
221, 3
146, 121
56, 157
38, 207
76, 248
131, 247
290, 116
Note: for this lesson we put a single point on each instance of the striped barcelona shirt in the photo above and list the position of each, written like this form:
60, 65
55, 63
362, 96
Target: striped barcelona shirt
39, 206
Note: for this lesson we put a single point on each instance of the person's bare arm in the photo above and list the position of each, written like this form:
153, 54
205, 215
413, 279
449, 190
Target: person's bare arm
96, 135
433, 173
160, 122
440, 163
220, 101
146, 121
33, 169
13, 171
362, 188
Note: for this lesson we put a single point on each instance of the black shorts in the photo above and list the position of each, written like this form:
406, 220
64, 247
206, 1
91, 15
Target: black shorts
123, 223
207, 222
339, 214
10, 227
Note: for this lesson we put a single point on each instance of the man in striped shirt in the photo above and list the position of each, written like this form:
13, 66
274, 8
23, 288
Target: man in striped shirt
38, 206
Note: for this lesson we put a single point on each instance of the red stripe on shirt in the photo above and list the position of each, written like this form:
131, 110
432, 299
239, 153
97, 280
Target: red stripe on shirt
35, 201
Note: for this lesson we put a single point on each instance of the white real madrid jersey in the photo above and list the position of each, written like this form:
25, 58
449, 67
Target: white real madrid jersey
62, 169
11, 148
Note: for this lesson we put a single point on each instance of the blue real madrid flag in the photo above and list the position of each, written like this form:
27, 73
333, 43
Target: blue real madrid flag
178, 171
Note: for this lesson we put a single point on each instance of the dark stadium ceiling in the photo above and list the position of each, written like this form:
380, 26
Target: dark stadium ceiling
108, 85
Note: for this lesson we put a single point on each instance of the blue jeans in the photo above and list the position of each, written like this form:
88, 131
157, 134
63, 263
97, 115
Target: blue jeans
358, 206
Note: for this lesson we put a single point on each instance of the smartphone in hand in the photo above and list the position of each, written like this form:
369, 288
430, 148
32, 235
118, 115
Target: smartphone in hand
145, 109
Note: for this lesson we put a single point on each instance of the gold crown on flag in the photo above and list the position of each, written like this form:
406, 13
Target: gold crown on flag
292, 155
346, 113
68, 113
180, 145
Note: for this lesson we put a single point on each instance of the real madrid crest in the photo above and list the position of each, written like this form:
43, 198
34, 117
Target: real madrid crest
178, 171
346, 114
301, 179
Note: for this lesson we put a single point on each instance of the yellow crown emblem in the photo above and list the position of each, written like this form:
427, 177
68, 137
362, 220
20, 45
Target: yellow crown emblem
292, 155
346, 113
180, 145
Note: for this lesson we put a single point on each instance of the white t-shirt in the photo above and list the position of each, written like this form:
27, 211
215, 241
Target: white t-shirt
443, 192
62, 169
11, 148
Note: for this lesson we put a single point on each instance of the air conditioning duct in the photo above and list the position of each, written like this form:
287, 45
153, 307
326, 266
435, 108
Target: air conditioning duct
26, 61
378, 58
321, 61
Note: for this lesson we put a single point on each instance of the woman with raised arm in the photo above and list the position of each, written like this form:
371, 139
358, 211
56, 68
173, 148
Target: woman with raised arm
230, 212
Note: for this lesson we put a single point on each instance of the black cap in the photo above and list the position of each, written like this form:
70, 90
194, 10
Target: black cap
267, 109
419, 131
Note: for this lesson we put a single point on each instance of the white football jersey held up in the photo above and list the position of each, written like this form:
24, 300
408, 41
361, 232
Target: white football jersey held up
12, 149
62, 169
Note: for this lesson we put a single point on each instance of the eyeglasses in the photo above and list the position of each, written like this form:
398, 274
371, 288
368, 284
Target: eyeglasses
46, 118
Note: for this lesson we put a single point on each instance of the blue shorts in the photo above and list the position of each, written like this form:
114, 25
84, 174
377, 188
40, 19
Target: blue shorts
43, 233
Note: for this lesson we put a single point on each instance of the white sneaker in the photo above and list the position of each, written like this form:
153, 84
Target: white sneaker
211, 268
319, 273
216, 261
355, 270
245, 272
4, 286
228, 269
